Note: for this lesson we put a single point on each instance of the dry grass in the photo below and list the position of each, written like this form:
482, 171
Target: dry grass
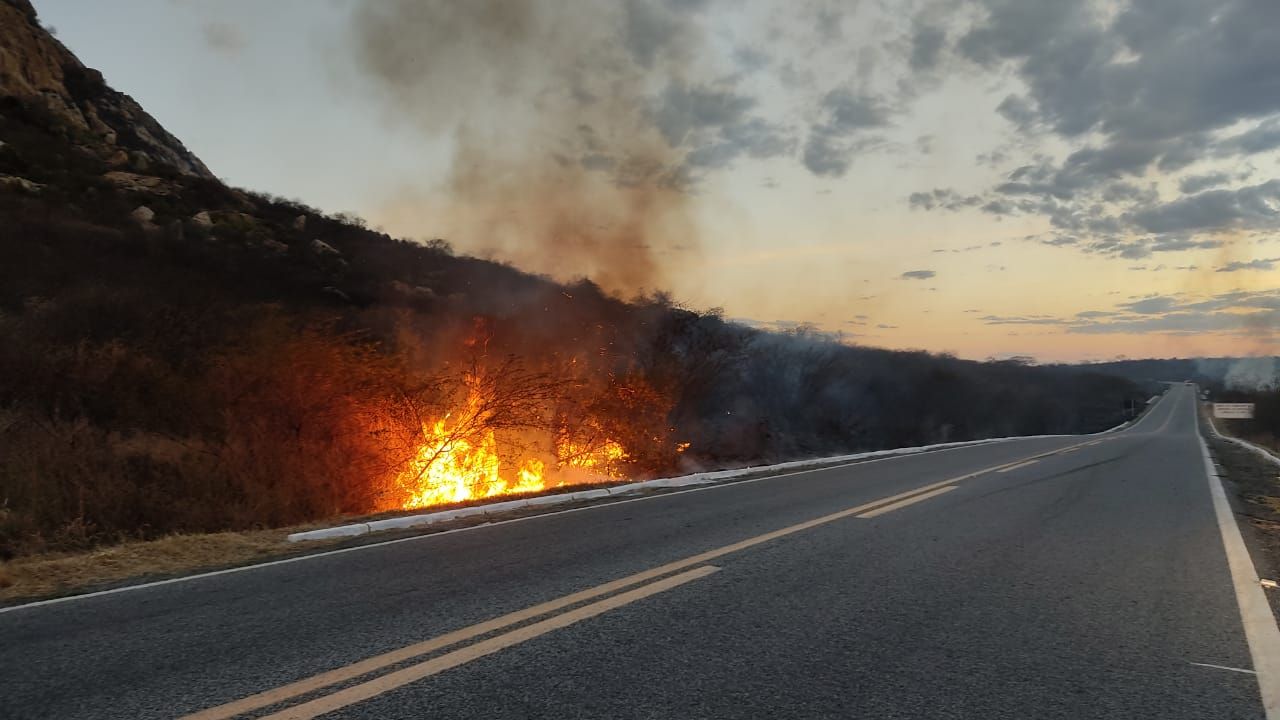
1249, 431
59, 574
1269, 502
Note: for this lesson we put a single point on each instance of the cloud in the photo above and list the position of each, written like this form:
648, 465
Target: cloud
1240, 312
825, 156
1023, 320
926, 46
1142, 85
716, 127
1264, 137
685, 109
919, 275
844, 114
1151, 306
1018, 110
1259, 264
1173, 323
850, 111
1118, 218
1176, 244
1196, 183
941, 198
1252, 207
1123, 75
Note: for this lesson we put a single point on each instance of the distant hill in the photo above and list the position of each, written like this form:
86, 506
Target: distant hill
1242, 372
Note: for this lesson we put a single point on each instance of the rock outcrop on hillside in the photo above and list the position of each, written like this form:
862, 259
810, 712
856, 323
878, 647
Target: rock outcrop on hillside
40, 73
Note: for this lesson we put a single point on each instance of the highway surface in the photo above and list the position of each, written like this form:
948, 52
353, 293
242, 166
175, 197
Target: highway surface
1074, 577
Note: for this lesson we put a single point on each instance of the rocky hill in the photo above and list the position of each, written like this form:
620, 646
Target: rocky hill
39, 72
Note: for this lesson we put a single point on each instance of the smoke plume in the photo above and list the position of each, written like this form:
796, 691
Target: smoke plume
562, 161
1253, 374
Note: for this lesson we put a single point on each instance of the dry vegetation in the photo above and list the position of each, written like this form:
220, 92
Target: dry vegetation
1264, 428
58, 573
244, 362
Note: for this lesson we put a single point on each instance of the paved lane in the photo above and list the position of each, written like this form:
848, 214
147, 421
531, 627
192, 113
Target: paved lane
1078, 584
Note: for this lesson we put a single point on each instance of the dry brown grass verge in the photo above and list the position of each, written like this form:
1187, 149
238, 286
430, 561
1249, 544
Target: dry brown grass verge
57, 574
63, 573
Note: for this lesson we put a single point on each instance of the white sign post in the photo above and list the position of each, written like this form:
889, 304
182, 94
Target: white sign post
1233, 411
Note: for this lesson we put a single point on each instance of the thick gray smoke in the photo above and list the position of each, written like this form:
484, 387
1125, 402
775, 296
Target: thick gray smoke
565, 161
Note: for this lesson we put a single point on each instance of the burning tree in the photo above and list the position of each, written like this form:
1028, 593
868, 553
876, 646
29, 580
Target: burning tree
456, 457
488, 431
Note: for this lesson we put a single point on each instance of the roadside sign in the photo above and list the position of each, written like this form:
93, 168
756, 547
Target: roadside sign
1233, 411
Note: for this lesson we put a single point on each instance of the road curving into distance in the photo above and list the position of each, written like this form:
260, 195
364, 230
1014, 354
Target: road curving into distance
1063, 577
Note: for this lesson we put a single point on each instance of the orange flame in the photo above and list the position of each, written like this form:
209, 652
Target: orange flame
458, 461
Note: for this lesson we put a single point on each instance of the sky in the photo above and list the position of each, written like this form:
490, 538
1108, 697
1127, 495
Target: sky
1066, 180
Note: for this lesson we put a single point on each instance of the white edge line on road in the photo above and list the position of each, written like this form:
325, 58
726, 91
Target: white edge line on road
1221, 667
384, 543
1260, 628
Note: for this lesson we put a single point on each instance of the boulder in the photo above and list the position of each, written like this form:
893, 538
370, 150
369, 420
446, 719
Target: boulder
139, 161
133, 182
300, 223
321, 247
275, 246
117, 159
20, 184
412, 292
143, 215
202, 219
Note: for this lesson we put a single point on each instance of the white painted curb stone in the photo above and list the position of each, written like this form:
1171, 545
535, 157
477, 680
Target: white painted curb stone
702, 478
1244, 443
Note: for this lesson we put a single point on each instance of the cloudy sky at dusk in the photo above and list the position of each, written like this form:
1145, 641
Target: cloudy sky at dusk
1068, 180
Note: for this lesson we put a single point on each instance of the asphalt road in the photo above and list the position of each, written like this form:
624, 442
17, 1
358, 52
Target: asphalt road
1091, 583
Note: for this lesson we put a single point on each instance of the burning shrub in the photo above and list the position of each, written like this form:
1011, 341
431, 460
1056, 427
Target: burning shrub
618, 430
457, 455
505, 430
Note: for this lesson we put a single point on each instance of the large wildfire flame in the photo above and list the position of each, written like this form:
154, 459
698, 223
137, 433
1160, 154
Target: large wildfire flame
458, 460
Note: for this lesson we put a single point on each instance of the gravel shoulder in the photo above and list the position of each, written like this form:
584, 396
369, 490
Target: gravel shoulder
1253, 484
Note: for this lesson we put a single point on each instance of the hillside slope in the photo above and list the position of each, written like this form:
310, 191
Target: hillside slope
180, 356
36, 70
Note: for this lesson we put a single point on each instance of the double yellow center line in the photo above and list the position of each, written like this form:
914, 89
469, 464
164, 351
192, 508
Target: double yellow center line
659, 579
